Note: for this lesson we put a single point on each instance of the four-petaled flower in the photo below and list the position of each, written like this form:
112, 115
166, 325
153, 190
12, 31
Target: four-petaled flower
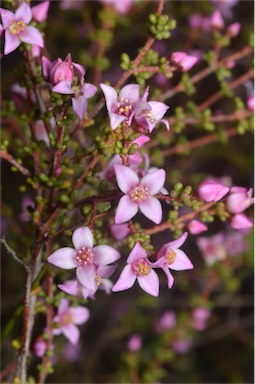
17, 29
138, 267
84, 257
139, 194
171, 257
67, 318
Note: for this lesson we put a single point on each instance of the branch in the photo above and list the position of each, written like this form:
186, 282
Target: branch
14, 254
5, 155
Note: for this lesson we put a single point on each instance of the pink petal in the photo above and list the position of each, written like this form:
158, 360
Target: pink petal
126, 209
24, 13
137, 253
72, 333
126, 177
46, 63
89, 90
170, 278
11, 42
31, 35
7, 17
119, 231
241, 221
154, 181
63, 306
87, 277
110, 96
172, 244
105, 255
126, 279
71, 287
40, 11
195, 227
152, 209
81, 71
79, 314
159, 109
182, 262
82, 237
149, 283
63, 258
116, 120
130, 92
80, 106
63, 87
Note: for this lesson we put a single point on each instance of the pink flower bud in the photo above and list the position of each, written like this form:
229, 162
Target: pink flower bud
119, 231
40, 347
210, 190
200, 317
239, 199
234, 29
217, 21
185, 61
250, 103
40, 11
135, 343
240, 221
195, 227
166, 321
58, 70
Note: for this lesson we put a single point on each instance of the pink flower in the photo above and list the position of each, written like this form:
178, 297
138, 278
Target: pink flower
135, 343
250, 103
40, 11
234, 29
17, 29
139, 194
182, 346
171, 257
40, 347
195, 227
67, 318
186, 62
166, 321
210, 190
123, 107
122, 6
147, 117
84, 257
239, 199
241, 221
200, 317
212, 248
217, 21
59, 70
119, 231
138, 267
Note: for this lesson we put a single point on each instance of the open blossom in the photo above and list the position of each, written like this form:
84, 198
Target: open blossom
200, 317
147, 117
84, 257
17, 29
139, 194
67, 318
212, 248
186, 62
238, 201
138, 268
210, 190
171, 257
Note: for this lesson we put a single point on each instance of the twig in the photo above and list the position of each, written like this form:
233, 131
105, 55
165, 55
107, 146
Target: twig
5, 155
14, 254
91, 165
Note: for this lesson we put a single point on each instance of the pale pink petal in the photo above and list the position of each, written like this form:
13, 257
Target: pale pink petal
195, 227
158, 109
72, 333
63, 306
40, 11
130, 92
7, 17
119, 231
142, 140
154, 181
24, 13
63, 258
182, 262
80, 69
151, 208
137, 253
149, 283
63, 87
82, 237
80, 106
110, 96
79, 314
89, 90
106, 271
241, 221
46, 63
172, 244
71, 287
126, 209
104, 254
116, 120
31, 35
170, 278
11, 42
87, 277
126, 178
126, 280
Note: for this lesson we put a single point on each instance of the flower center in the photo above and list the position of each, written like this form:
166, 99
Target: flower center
98, 280
17, 27
85, 257
170, 257
124, 107
151, 117
66, 318
141, 267
139, 194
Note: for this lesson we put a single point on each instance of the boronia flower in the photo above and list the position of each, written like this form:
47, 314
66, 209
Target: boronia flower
67, 318
210, 190
139, 194
84, 257
138, 267
148, 116
17, 29
171, 257
183, 60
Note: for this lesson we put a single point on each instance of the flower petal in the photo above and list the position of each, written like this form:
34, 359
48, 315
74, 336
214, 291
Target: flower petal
137, 253
158, 109
89, 90
126, 209
154, 181
71, 287
116, 119
31, 35
11, 42
63, 258
130, 92
82, 237
63, 87
149, 283
40, 11
87, 277
63, 306
110, 96
241, 221
24, 13
170, 278
182, 262
152, 209
126, 177
104, 254
80, 106
72, 333
7, 17
79, 314
126, 280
